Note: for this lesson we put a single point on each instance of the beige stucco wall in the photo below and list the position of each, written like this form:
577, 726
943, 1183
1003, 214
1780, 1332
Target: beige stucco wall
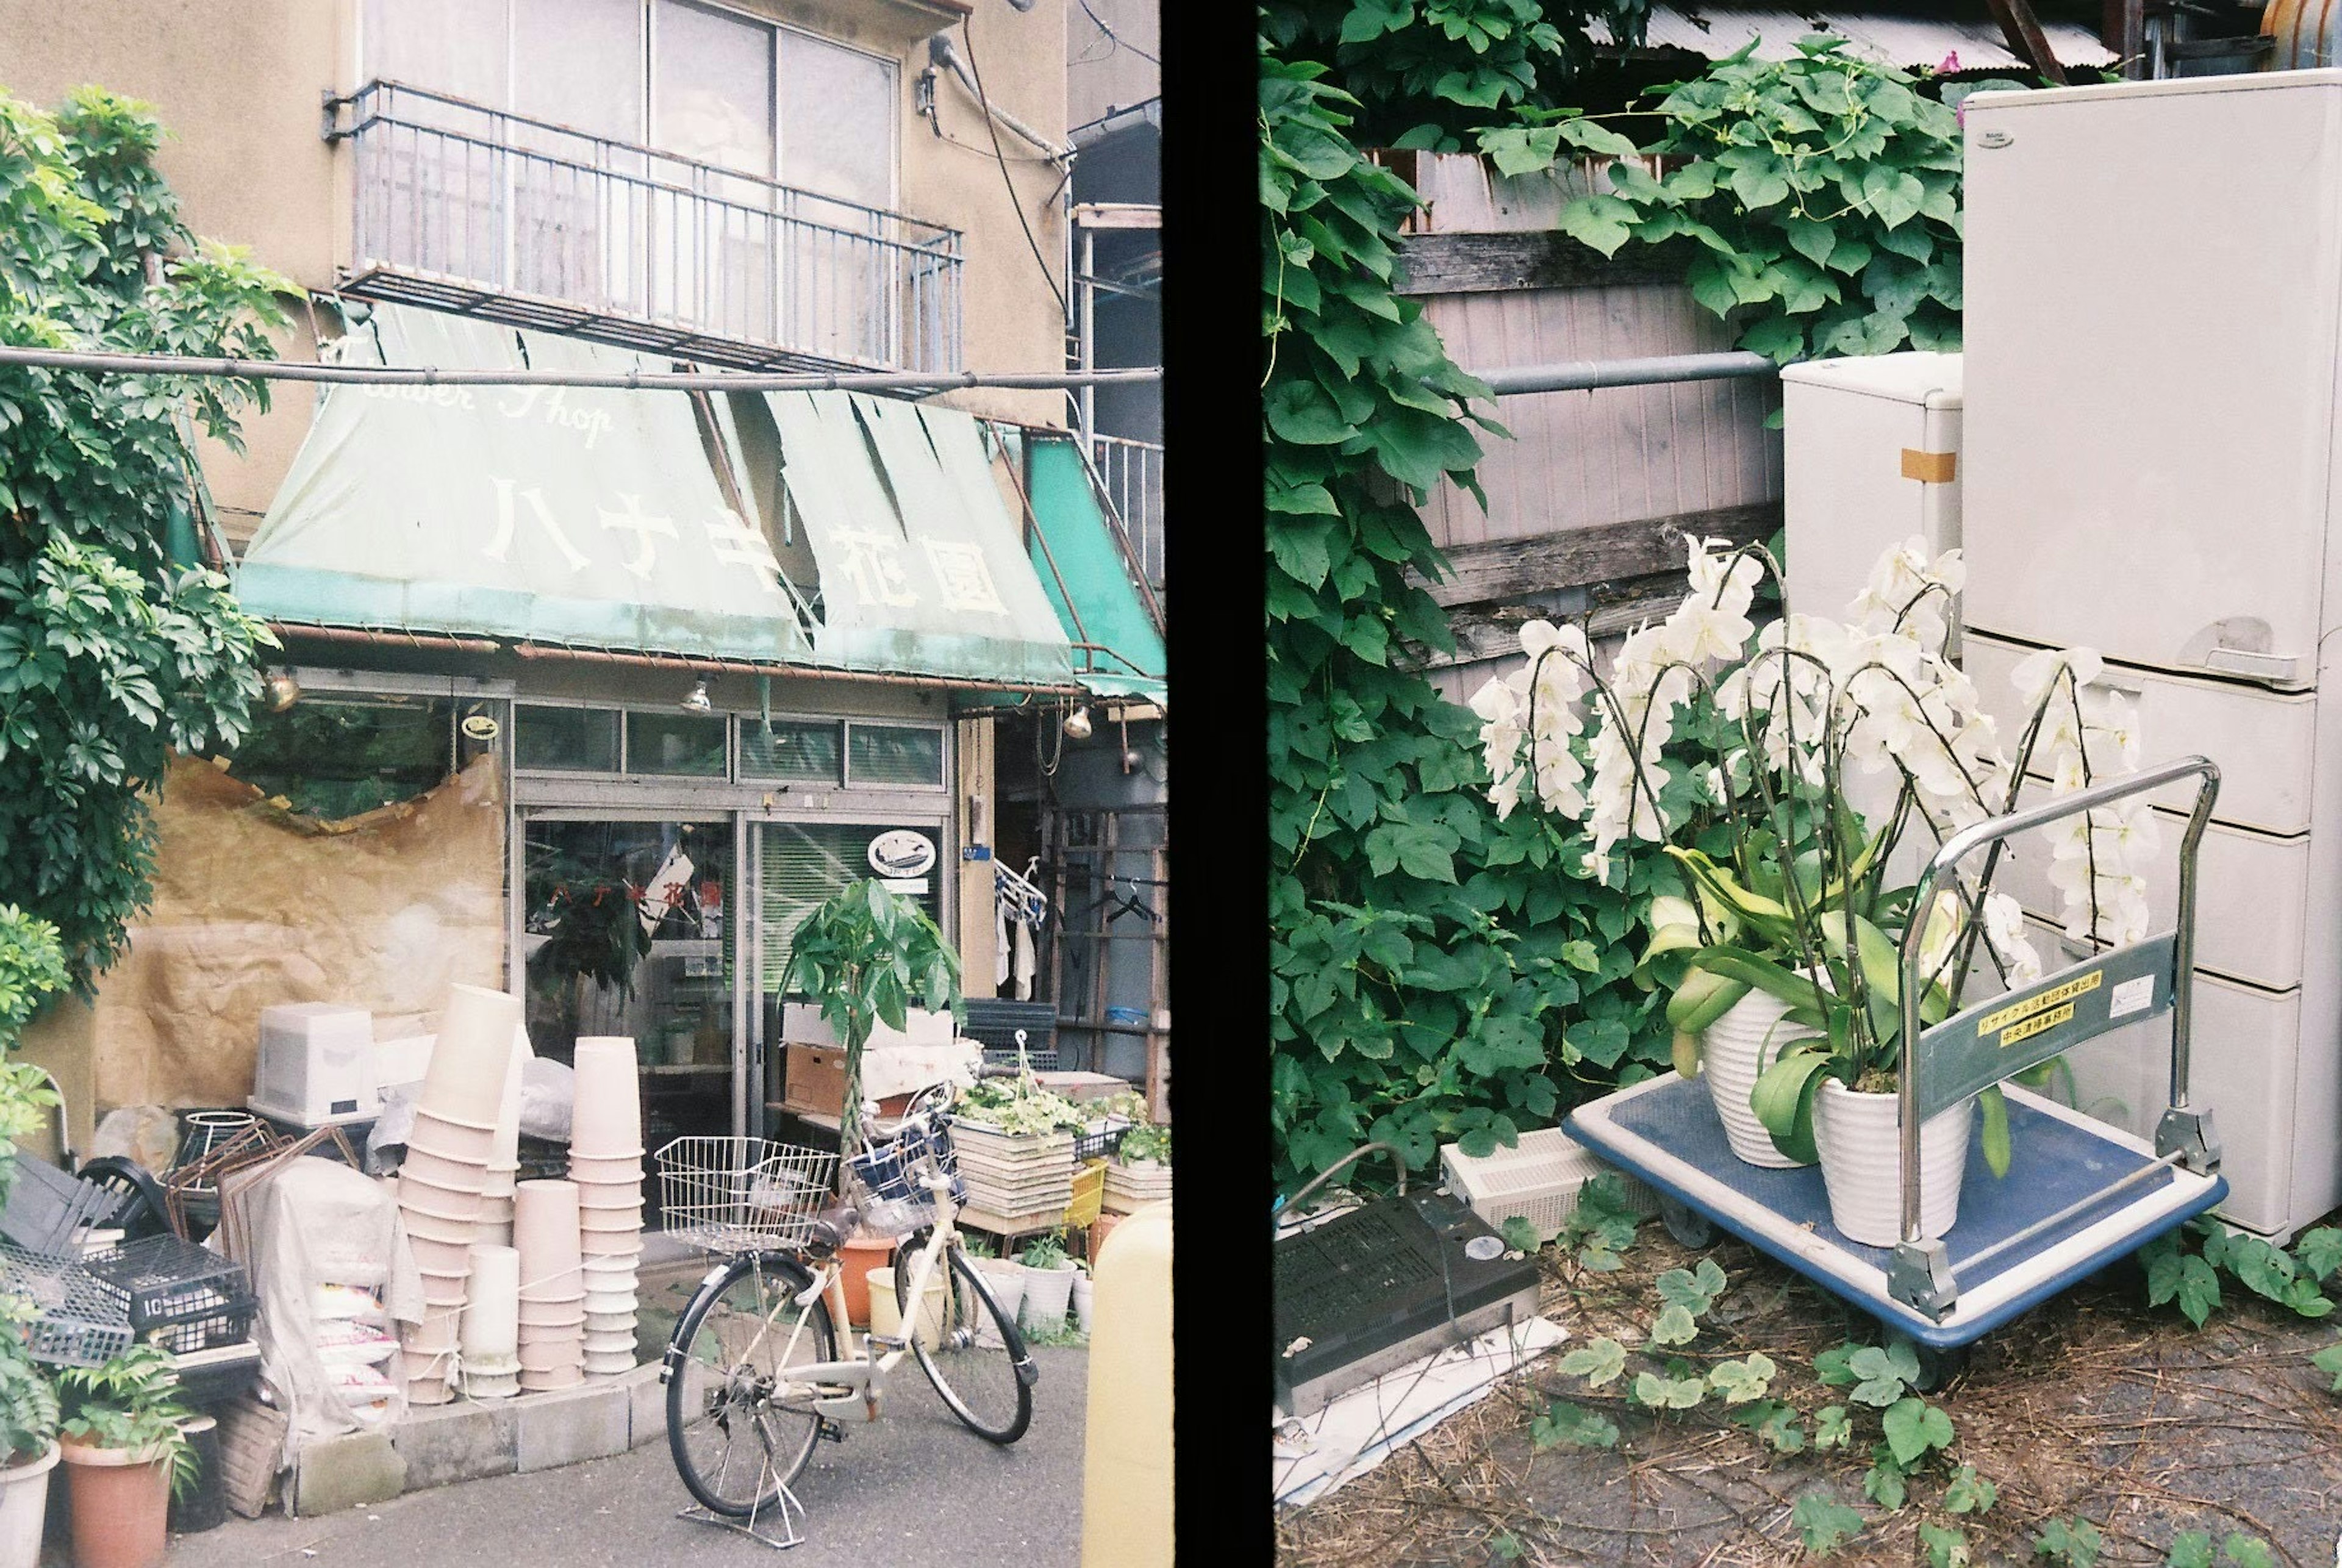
1103, 73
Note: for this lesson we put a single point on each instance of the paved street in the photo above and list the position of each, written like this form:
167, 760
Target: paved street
917, 1488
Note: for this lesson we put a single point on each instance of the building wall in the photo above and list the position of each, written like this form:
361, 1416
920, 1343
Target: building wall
1103, 73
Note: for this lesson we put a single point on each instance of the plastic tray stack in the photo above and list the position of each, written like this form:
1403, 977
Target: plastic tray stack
1014, 1182
75, 1322
1129, 1188
177, 1294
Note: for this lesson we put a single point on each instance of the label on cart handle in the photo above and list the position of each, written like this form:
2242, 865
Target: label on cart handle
2004, 1036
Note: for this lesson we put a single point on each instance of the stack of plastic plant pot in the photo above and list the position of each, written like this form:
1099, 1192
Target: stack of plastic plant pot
551, 1318
504, 1158
491, 1334
606, 1163
445, 1172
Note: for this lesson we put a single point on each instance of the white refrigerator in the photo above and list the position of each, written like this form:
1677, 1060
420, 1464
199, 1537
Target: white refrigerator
2154, 290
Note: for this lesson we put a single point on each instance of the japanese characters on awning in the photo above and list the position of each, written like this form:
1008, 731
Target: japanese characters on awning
597, 518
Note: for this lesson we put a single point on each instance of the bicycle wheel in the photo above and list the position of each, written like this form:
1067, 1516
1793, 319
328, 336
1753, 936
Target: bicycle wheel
986, 1377
738, 1432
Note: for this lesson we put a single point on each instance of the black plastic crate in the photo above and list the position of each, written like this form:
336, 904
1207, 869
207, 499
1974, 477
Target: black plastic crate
1100, 1145
993, 1021
179, 1295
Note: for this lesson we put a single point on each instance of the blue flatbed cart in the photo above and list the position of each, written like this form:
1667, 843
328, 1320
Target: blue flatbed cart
2079, 1192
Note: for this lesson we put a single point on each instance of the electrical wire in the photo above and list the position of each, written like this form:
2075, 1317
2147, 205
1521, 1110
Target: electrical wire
992, 129
1118, 41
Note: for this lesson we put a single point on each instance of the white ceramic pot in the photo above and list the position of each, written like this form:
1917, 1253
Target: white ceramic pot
1862, 1164
1734, 1051
1046, 1292
24, 1509
1005, 1278
1084, 1290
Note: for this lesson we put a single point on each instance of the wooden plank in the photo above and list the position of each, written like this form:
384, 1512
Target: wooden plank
1500, 569
1489, 263
2026, 41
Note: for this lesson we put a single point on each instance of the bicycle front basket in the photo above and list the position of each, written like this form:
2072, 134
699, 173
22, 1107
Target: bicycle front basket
743, 1195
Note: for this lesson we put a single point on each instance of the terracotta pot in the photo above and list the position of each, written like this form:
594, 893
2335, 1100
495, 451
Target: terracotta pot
1862, 1164
24, 1509
862, 1254
1734, 1051
121, 1506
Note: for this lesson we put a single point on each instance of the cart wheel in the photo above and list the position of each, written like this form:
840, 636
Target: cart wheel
1692, 1230
1937, 1367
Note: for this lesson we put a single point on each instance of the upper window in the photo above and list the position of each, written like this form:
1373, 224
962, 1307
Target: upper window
699, 81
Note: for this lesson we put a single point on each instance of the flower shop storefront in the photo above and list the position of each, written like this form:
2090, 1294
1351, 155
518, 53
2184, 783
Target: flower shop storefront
589, 695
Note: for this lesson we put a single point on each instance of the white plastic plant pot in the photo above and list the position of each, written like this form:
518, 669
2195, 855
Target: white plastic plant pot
1862, 1164
23, 1509
1005, 1278
1047, 1293
1734, 1051
1084, 1291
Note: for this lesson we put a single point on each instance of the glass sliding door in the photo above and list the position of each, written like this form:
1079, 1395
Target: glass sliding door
797, 866
629, 929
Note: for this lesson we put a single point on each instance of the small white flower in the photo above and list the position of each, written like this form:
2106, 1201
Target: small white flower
2036, 673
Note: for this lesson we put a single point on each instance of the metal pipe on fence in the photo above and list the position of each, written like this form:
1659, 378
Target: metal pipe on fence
1654, 370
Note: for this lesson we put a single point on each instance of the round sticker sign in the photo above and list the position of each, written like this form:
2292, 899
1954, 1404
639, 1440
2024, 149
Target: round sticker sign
902, 852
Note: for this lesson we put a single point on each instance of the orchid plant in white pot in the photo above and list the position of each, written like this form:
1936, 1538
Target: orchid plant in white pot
1780, 735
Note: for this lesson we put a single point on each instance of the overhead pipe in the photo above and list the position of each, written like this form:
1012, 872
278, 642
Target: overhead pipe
1653, 370
632, 381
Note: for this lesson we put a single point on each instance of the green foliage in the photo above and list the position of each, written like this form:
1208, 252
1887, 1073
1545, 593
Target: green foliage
2193, 1549
130, 1402
1599, 1361
1880, 1374
28, 1400
1969, 1492
1818, 197
2075, 1542
1520, 1234
1044, 1251
1833, 1427
1019, 1106
1658, 1391
32, 968
2329, 1361
866, 956
2184, 1266
1145, 1141
1914, 1429
1602, 1224
1428, 71
1740, 1382
1946, 1546
1433, 972
1824, 1522
112, 655
1564, 1423
1775, 1425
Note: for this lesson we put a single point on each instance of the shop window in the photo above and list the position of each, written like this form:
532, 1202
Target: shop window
334, 757
690, 744
894, 754
799, 752
566, 740
804, 864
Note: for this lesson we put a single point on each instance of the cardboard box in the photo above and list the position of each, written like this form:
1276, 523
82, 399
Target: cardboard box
815, 1083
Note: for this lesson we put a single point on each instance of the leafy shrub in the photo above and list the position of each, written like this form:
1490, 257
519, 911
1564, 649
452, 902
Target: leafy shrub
131, 1402
1820, 195
112, 655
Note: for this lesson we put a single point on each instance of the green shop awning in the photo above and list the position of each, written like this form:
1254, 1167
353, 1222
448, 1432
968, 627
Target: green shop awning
1088, 579
595, 518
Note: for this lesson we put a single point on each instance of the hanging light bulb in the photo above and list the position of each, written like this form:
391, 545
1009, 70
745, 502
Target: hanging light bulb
1078, 724
282, 690
698, 702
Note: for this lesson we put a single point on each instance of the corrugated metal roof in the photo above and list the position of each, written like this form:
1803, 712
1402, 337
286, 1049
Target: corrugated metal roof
1898, 37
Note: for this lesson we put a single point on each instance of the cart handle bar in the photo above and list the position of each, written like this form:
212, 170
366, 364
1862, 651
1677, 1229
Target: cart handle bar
1967, 842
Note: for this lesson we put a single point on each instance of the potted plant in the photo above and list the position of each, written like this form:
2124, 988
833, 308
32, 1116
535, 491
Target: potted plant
28, 1435
865, 957
1762, 748
127, 1455
1003, 1278
1048, 1284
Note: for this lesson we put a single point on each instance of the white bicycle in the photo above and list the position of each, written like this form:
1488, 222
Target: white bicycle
754, 1374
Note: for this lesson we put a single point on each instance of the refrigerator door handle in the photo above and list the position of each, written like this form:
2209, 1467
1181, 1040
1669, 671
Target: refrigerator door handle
2278, 669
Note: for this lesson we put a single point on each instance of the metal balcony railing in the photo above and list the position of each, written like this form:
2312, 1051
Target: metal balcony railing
459, 206
1132, 474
